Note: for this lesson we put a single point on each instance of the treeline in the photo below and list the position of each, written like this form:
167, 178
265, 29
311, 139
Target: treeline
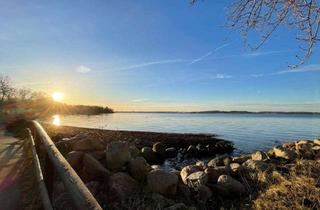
26, 101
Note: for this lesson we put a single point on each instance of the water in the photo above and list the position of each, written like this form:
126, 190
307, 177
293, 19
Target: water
248, 131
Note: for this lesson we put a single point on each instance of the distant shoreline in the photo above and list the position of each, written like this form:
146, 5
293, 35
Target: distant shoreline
223, 112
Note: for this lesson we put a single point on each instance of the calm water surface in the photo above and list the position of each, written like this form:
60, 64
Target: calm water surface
248, 131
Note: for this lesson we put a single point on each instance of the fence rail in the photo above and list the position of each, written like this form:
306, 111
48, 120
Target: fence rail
77, 190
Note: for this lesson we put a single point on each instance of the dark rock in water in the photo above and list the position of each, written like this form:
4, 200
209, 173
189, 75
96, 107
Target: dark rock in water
75, 158
117, 154
187, 170
160, 149
93, 170
192, 150
138, 168
163, 182
123, 186
233, 186
171, 152
151, 156
215, 173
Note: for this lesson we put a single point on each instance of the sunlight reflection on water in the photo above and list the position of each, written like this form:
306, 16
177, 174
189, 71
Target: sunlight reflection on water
56, 120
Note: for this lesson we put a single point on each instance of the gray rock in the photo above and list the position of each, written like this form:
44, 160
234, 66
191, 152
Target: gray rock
204, 193
284, 153
259, 155
177, 206
87, 144
187, 170
215, 173
117, 154
255, 165
219, 161
75, 158
171, 152
241, 159
151, 156
159, 148
162, 182
197, 178
316, 141
232, 185
123, 186
134, 151
93, 170
138, 168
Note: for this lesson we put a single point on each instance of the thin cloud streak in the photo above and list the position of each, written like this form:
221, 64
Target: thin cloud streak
307, 68
256, 54
153, 63
221, 76
83, 69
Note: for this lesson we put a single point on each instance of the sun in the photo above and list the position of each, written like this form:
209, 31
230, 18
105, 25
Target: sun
57, 96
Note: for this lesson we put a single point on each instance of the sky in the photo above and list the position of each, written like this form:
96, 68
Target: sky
150, 55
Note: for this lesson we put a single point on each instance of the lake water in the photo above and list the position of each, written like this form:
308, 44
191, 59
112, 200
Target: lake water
248, 131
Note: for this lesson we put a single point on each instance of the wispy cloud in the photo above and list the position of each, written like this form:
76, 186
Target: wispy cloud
153, 63
220, 76
256, 54
256, 75
10, 67
203, 57
139, 100
83, 69
307, 68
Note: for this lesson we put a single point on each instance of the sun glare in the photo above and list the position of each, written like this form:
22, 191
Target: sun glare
57, 96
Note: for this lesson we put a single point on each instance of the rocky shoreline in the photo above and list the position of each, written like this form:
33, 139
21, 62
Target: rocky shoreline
125, 175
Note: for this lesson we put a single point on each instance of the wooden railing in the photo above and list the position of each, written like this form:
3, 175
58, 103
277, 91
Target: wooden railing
55, 162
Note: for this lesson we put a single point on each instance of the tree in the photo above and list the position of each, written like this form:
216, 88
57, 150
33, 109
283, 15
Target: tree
6, 89
265, 16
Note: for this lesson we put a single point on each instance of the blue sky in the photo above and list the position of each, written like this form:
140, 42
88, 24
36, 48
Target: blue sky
151, 55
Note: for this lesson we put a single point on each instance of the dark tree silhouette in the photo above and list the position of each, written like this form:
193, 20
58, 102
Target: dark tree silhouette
265, 16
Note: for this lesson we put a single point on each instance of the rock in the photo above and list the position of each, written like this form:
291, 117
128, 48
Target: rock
316, 148
241, 159
171, 152
159, 148
93, 187
87, 144
284, 153
259, 155
192, 150
289, 145
235, 167
134, 151
93, 169
117, 154
204, 193
162, 182
220, 190
201, 164
75, 158
187, 170
177, 206
160, 201
215, 173
155, 167
138, 168
184, 190
197, 178
232, 185
255, 165
218, 161
271, 153
123, 186
316, 141
303, 147
150, 156
99, 155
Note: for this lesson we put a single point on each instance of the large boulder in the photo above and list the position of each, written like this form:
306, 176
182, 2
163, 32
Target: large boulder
215, 173
255, 165
134, 151
151, 156
284, 153
187, 170
259, 155
122, 186
196, 179
235, 167
241, 159
171, 152
163, 182
220, 161
204, 193
75, 158
316, 141
233, 186
117, 154
93, 169
138, 168
87, 144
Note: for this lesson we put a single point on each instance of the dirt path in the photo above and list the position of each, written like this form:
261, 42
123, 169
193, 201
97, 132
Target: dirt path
10, 173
